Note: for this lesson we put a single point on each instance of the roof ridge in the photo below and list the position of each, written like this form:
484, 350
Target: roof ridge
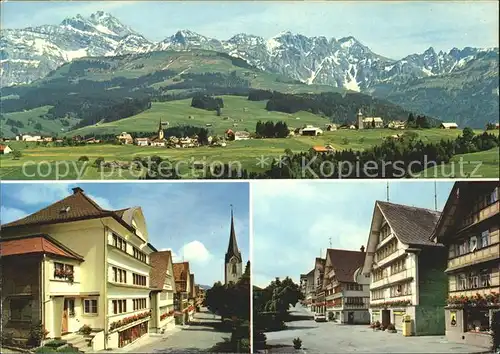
408, 206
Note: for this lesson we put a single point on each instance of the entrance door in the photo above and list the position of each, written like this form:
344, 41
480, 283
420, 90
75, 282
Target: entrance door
65, 315
386, 317
350, 318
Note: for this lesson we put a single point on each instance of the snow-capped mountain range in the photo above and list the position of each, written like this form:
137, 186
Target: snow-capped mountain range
31, 53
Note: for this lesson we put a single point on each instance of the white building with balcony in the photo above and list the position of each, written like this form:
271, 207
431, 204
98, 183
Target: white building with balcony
347, 289
90, 268
406, 268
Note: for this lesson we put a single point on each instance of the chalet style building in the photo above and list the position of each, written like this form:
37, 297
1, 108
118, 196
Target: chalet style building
163, 293
83, 265
469, 228
183, 297
406, 268
308, 288
233, 267
317, 294
346, 288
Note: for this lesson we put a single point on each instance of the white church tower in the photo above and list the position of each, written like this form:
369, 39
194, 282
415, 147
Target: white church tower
233, 263
360, 119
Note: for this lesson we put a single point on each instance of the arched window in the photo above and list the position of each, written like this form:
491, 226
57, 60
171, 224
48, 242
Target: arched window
234, 268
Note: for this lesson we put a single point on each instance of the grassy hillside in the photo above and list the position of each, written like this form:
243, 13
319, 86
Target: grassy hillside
31, 117
476, 165
237, 110
247, 153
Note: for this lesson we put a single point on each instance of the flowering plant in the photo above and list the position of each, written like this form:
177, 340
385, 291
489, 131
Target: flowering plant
127, 320
395, 303
490, 299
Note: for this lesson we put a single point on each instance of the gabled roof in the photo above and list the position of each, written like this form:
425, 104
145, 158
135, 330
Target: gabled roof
181, 271
160, 262
33, 244
412, 226
72, 208
232, 248
345, 263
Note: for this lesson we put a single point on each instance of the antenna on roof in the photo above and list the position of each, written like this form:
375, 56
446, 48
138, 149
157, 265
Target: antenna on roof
387, 191
435, 196
330, 241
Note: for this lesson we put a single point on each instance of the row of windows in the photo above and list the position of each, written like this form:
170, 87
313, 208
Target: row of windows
474, 280
355, 287
384, 232
121, 244
139, 255
139, 279
139, 304
119, 306
398, 266
470, 244
480, 203
401, 290
119, 275
378, 294
387, 250
354, 301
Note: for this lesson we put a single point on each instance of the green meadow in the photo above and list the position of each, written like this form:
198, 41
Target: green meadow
254, 155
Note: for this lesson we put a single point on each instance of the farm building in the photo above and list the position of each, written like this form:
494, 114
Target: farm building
125, 138
5, 149
373, 122
142, 141
311, 131
396, 124
330, 127
448, 126
241, 135
322, 149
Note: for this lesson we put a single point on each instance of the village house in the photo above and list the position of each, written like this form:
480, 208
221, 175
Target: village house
82, 266
241, 135
448, 126
183, 291
29, 138
92, 141
142, 141
322, 149
330, 127
125, 138
310, 130
347, 289
406, 268
303, 284
469, 229
396, 124
162, 296
5, 149
318, 294
309, 289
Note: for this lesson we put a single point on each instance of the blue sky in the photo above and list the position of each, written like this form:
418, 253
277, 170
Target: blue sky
190, 218
393, 29
294, 220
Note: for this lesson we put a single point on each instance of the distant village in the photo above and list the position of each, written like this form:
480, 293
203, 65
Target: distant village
159, 140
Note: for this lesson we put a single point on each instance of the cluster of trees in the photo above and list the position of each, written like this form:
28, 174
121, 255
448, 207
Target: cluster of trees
209, 81
208, 103
232, 303
420, 121
411, 153
271, 129
340, 108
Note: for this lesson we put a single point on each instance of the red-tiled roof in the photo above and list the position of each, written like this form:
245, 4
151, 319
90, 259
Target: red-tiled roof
181, 271
345, 263
35, 244
72, 208
159, 263
320, 149
2, 147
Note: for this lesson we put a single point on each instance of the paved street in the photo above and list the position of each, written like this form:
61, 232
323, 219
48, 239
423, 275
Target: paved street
196, 337
331, 337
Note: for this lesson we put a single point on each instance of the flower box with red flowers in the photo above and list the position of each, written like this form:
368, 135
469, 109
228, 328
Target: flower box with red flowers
128, 320
396, 303
489, 300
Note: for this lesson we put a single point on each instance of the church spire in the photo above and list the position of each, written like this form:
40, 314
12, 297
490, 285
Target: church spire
232, 248
160, 131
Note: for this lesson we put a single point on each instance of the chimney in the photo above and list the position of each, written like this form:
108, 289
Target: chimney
77, 190
362, 249
277, 278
